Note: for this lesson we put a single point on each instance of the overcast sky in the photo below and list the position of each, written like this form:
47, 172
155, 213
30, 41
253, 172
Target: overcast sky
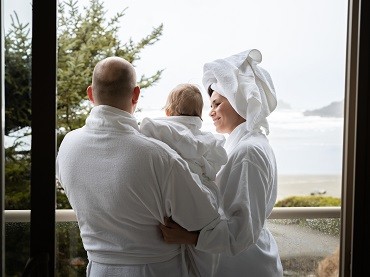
303, 42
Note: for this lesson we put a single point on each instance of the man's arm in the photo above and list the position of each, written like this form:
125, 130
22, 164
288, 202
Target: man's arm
173, 233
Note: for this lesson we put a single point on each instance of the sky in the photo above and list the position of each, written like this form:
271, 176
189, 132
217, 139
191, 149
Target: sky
303, 42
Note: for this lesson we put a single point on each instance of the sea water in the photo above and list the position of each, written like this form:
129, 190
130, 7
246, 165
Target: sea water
303, 145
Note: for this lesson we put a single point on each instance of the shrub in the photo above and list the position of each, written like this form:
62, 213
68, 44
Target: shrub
309, 201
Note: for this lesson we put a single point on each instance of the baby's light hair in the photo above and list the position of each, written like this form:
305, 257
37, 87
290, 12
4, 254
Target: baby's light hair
184, 99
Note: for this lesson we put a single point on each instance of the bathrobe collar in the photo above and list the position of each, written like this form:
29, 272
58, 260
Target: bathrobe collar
104, 117
190, 121
236, 135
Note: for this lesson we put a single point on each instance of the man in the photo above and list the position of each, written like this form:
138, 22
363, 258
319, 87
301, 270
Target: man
122, 184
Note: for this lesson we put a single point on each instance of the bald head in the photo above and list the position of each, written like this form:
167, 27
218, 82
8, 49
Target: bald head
113, 82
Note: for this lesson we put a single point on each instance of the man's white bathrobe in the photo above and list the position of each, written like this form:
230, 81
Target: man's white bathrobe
205, 155
248, 188
121, 184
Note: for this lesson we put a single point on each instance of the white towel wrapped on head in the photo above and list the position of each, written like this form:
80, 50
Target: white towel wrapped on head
247, 86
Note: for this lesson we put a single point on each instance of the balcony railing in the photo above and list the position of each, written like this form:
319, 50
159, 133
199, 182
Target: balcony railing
300, 247
67, 215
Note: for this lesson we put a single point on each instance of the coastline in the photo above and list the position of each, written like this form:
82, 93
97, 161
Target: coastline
304, 185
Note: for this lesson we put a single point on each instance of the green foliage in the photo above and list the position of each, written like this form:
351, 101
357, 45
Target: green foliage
62, 200
17, 178
71, 256
17, 114
17, 77
309, 201
17, 247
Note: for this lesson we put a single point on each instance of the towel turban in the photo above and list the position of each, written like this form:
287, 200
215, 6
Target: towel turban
247, 86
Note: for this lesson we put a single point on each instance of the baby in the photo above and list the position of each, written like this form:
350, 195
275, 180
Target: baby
203, 151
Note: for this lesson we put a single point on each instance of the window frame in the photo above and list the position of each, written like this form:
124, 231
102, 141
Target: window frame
356, 151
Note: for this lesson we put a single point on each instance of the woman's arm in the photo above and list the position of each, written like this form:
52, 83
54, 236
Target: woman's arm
173, 233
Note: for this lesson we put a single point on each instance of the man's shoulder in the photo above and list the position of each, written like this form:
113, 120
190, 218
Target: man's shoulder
157, 145
72, 134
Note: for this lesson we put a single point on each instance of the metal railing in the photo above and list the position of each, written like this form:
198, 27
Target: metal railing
68, 215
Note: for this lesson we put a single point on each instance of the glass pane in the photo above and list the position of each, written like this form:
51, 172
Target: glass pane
306, 61
17, 236
306, 246
17, 142
71, 256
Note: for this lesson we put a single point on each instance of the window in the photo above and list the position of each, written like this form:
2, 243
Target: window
355, 127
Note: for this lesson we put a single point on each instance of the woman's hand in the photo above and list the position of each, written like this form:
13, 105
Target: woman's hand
173, 233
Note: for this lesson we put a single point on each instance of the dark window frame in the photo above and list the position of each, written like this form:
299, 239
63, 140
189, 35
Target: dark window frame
356, 162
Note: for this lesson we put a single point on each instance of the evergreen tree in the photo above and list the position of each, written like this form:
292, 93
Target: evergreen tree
17, 78
17, 114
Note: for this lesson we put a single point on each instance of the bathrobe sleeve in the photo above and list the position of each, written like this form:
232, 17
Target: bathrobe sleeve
244, 192
186, 199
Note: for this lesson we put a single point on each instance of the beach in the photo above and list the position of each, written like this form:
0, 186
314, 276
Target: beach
304, 185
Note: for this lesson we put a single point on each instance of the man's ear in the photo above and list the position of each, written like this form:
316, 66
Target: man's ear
135, 95
89, 91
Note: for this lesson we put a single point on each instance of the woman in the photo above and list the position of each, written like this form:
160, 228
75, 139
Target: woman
242, 95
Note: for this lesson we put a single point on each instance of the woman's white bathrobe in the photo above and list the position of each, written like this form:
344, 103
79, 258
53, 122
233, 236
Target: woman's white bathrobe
121, 184
248, 188
205, 155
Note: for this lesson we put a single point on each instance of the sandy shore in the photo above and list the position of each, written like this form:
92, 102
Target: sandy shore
303, 185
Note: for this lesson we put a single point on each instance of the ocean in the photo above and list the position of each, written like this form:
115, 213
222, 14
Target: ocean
303, 145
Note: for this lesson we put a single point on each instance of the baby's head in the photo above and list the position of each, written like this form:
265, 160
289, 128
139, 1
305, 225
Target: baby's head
184, 99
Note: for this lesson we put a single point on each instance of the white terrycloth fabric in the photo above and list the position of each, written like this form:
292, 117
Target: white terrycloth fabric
121, 185
205, 155
248, 189
203, 151
247, 86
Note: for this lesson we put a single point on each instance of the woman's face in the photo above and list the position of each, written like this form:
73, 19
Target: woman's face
224, 117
